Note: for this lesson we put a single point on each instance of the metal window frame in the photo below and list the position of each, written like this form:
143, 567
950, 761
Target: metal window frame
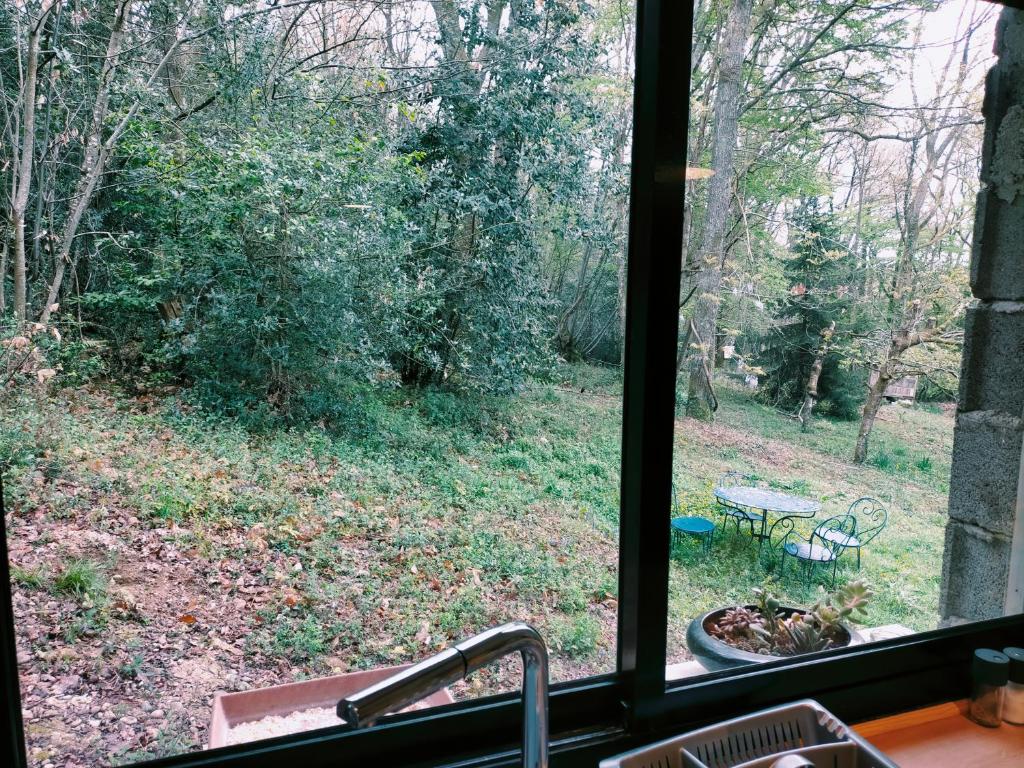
599, 716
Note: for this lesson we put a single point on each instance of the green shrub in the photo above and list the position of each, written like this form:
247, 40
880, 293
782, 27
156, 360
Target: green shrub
79, 362
883, 460
80, 578
576, 637
32, 578
299, 638
130, 669
843, 389
85, 581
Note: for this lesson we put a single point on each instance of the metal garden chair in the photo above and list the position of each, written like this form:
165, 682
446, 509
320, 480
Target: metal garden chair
740, 516
690, 525
871, 518
826, 543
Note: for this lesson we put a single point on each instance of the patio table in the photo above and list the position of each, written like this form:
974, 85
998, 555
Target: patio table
748, 499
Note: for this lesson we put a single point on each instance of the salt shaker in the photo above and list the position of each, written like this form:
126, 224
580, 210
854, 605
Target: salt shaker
1013, 698
989, 672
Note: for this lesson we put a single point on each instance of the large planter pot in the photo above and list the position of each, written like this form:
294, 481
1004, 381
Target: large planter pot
713, 654
233, 709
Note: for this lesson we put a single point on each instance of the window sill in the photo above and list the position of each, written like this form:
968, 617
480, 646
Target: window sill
942, 735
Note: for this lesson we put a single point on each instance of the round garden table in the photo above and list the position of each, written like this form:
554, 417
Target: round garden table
755, 504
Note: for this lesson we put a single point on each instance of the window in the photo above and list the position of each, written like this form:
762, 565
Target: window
598, 716
333, 378
823, 323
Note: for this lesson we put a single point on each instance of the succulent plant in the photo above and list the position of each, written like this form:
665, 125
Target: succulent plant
765, 628
739, 621
805, 635
852, 597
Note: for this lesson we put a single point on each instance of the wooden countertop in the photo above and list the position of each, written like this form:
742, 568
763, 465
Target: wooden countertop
942, 735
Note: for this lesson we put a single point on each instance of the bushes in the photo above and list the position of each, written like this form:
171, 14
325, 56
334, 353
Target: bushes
284, 287
575, 637
819, 272
290, 267
842, 387
80, 578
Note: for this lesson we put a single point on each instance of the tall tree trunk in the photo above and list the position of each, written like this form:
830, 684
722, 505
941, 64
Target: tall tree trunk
3, 275
908, 310
811, 390
97, 152
872, 404
24, 171
710, 260
621, 306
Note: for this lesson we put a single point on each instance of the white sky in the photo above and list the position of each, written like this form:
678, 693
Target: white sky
940, 30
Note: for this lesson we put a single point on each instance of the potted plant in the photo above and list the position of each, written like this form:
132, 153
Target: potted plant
766, 630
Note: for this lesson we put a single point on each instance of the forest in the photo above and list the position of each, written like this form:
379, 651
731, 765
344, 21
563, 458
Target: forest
277, 205
312, 318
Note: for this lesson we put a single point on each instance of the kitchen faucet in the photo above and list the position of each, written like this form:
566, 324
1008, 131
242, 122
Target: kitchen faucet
453, 664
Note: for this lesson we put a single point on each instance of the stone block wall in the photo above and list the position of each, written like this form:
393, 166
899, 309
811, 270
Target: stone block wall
980, 560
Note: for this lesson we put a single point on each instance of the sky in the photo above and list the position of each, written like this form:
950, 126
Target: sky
940, 30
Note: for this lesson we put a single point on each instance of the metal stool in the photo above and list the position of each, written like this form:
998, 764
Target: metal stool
700, 527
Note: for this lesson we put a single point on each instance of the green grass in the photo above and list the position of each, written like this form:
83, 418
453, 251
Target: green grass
903, 564
31, 578
427, 516
80, 578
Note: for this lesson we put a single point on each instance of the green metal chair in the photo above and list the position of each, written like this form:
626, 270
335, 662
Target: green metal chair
691, 525
871, 519
827, 542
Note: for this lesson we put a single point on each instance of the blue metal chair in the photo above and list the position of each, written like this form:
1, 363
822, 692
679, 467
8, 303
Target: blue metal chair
699, 527
826, 543
871, 519
740, 516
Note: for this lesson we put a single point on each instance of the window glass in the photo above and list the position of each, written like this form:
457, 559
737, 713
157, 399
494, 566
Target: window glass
835, 157
311, 352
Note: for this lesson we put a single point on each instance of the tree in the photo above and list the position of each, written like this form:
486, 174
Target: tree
806, 66
818, 306
925, 299
711, 257
509, 130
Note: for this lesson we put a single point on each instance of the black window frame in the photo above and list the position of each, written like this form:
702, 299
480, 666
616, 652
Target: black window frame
599, 716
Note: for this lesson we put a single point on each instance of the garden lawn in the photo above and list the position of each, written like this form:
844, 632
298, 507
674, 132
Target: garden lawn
161, 553
907, 469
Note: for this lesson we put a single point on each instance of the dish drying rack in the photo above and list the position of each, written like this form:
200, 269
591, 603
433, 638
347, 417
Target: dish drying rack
759, 740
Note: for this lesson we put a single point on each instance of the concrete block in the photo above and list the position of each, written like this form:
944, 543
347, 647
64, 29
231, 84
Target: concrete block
1004, 83
988, 438
992, 375
1006, 167
997, 261
974, 574
985, 468
1009, 44
998, 98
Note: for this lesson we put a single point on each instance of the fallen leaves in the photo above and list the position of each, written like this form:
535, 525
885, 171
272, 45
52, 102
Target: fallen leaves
423, 636
221, 563
216, 642
16, 342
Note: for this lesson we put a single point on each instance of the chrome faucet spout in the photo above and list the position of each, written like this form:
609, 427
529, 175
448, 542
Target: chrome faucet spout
422, 679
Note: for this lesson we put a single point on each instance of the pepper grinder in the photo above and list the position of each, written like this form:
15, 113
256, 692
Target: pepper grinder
989, 672
1013, 699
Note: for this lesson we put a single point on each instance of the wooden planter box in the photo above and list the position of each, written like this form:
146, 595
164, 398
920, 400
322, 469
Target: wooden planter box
231, 709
